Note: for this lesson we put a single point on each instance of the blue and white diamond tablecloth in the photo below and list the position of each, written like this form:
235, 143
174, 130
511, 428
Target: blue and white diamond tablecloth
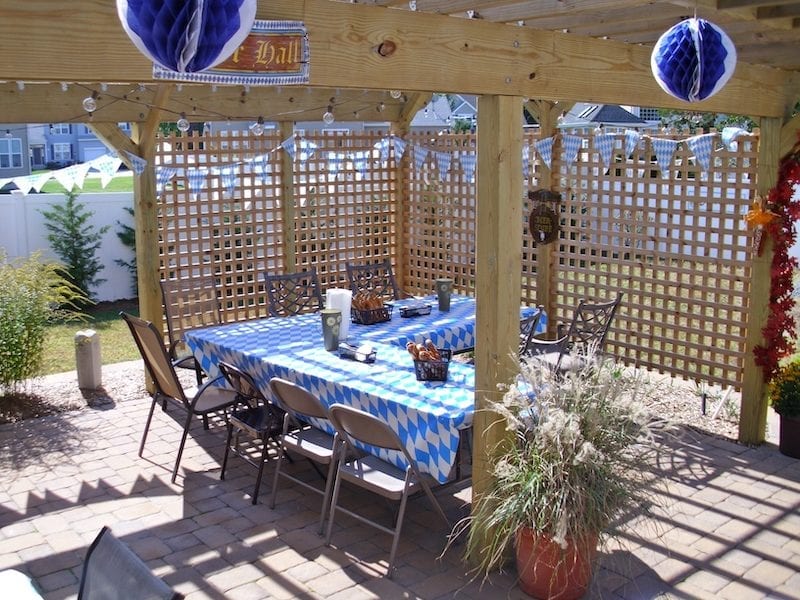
427, 415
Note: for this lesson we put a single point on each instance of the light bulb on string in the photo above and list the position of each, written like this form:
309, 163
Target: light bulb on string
258, 127
327, 116
381, 107
183, 123
64, 86
395, 94
90, 103
8, 133
52, 129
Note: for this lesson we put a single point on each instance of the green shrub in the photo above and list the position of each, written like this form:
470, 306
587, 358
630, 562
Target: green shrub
784, 390
76, 242
32, 294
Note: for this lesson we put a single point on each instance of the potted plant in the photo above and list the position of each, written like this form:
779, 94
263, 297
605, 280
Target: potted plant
575, 460
784, 395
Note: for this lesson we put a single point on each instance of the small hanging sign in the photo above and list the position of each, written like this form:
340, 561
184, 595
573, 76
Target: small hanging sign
274, 53
543, 221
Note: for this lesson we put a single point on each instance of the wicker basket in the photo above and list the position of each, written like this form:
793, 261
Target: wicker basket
433, 370
371, 316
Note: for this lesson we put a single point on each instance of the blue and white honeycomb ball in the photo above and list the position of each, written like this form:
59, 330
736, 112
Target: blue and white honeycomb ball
693, 60
187, 35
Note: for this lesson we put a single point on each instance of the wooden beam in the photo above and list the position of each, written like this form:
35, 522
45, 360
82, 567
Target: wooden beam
113, 137
287, 202
470, 55
498, 270
789, 135
753, 413
414, 103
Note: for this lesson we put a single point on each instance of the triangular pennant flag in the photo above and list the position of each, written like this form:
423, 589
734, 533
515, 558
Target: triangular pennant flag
443, 160
545, 149
382, 146
229, 176
664, 149
702, 146
526, 161
729, 135
261, 167
468, 162
107, 165
632, 138
420, 156
289, 145
307, 150
198, 178
6, 180
137, 163
335, 163
39, 181
361, 161
163, 176
24, 183
604, 142
572, 143
399, 146
71, 176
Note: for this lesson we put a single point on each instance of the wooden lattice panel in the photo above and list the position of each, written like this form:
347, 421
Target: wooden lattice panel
230, 228
346, 213
675, 243
439, 214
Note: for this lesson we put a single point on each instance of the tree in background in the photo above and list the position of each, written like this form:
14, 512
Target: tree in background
127, 235
76, 242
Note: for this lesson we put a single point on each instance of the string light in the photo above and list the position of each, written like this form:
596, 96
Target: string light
64, 86
90, 103
395, 94
21, 85
104, 87
8, 133
381, 107
327, 116
183, 123
258, 127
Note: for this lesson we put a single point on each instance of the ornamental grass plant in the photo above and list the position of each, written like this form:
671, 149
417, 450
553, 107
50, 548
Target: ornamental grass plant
575, 458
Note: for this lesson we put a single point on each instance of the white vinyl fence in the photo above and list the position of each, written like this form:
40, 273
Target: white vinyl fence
23, 232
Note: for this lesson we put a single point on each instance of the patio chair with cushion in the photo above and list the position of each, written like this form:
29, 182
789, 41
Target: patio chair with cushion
376, 278
299, 437
374, 474
111, 571
293, 293
252, 415
584, 337
527, 331
188, 303
208, 398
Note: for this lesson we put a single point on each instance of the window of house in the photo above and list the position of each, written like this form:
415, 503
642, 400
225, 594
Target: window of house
62, 152
10, 153
649, 114
61, 129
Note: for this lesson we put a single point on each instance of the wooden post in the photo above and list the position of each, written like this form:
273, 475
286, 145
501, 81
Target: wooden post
287, 205
498, 269
753, 410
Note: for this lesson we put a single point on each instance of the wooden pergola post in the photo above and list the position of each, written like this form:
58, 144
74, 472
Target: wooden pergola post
498, 259
753, 410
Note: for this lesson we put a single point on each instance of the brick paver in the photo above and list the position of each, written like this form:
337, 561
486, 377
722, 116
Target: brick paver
727, 525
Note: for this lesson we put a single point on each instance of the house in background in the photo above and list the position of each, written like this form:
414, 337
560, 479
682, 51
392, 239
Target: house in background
611, 117
61, 144
14, 160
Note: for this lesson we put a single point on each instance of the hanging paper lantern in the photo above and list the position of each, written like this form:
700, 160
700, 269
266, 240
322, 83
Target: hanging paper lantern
187, 35
693, 60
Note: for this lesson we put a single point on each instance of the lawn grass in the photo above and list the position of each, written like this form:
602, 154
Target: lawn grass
122, 183
116, 343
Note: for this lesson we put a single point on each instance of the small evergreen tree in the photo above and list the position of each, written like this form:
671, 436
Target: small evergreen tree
76, 242
127, 235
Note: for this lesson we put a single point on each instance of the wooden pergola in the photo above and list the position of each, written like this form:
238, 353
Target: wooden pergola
549, 54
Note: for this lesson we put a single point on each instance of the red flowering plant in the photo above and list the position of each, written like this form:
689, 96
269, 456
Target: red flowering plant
779, 332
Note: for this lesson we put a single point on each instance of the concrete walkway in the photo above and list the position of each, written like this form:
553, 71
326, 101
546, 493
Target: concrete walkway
729, 526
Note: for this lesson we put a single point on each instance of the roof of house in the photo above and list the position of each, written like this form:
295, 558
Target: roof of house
583, 115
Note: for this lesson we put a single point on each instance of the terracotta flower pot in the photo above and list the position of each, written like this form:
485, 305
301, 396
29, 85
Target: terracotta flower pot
789, 441
547, 572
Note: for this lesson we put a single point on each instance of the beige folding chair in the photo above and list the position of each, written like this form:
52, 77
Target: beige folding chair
376, 278
372, 473
314, 444
584, 337
189, 302
252, 415
293, 293
202, 401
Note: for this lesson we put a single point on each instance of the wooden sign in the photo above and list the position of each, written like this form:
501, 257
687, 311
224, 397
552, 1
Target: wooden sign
274, 53
543, 221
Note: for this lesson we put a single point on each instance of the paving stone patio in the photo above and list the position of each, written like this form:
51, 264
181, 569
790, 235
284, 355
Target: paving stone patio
729, 525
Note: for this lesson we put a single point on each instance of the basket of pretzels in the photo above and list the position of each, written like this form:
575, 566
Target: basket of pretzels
367, 308
430, 363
